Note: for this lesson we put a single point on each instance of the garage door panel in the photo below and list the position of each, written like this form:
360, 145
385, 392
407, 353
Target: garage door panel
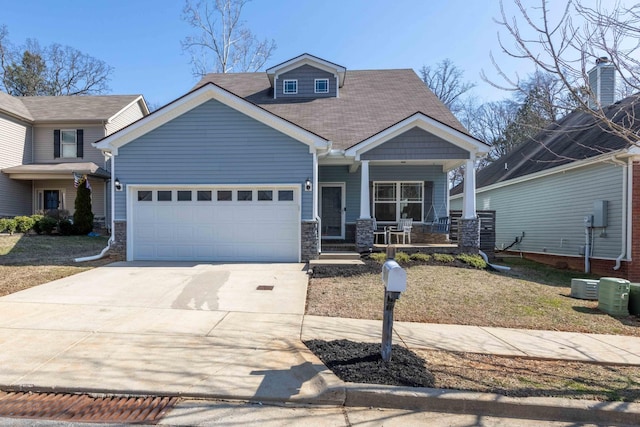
215, 230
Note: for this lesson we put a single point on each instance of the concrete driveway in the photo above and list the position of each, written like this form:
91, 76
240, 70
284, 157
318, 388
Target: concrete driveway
215, 330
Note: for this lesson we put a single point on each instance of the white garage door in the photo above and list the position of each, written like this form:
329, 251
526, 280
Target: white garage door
215, 224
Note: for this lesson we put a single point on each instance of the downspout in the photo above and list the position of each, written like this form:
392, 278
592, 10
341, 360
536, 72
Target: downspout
112, 237
625, 196
315, 194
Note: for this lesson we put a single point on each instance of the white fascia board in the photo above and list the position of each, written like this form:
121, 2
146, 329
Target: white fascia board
426, 123
139, 99
307, 59
199, 97
559, 169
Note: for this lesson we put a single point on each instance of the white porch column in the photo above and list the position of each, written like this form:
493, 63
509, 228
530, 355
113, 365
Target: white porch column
469, 195
365, 209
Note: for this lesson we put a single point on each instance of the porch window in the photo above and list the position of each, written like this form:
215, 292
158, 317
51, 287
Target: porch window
395, 200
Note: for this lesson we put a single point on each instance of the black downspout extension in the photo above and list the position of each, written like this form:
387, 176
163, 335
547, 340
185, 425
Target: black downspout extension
517, 240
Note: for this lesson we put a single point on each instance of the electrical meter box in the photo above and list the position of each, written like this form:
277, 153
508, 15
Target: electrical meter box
588, 221
600, 213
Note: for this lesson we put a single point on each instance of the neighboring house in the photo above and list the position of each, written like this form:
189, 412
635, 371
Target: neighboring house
543, 190
262, 166
45, 139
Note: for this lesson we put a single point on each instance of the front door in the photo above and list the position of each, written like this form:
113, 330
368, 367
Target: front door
332, 210
51, 199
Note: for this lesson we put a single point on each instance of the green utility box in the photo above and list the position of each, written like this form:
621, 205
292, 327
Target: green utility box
634, 298
613, 296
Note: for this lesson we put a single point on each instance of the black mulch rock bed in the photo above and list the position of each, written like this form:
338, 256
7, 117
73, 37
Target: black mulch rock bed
362, 363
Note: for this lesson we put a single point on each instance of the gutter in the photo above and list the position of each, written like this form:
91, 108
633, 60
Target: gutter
112, 236
625, 179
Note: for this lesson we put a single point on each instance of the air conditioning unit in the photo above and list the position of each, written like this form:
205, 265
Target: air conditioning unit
613, 296
584, 289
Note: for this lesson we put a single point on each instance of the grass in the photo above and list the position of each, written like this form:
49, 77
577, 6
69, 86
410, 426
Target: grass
530, 296
31, 260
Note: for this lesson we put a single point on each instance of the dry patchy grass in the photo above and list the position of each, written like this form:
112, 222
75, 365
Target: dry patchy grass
528, 297
31, 260
519, 377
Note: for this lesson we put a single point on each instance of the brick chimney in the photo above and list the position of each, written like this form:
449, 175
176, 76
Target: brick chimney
602, 81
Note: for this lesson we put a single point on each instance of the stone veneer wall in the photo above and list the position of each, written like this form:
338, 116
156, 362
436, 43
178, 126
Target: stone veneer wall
118, 250
364, 235
469, 234
309, 240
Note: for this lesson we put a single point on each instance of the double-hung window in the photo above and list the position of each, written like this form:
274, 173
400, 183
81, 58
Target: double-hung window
395, 200
68, 143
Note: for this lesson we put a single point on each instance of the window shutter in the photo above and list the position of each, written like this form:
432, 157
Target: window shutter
80, 142
56, 143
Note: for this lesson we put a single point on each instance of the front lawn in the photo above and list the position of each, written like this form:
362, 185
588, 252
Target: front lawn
530, 296
30, 260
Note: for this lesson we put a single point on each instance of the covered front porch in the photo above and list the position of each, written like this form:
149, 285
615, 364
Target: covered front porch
53, 185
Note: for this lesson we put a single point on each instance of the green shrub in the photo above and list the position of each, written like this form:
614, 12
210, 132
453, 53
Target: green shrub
446, 258
47, 224
66, 227
36, 222
402, 258
8, 224
379, 257
24, 223
420, 257
473, 260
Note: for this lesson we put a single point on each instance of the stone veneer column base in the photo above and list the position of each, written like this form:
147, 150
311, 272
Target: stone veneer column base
469, 235
309, 248
118, 249
364, 235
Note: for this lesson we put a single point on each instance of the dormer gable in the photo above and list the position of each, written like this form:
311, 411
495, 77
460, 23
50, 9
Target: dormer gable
306, 76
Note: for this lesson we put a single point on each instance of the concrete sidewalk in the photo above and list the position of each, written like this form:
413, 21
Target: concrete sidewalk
233, 331
612, 349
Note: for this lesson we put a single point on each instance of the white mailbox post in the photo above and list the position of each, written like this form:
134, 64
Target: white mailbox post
394, 279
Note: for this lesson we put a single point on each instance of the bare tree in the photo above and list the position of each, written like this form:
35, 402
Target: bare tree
32, 70
445, 80
222, 43
567, 46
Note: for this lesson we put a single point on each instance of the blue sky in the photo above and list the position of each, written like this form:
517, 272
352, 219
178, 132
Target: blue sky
141, 38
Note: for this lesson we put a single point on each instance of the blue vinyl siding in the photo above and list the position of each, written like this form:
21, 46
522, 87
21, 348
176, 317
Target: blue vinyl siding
214, 144
306, 75
388, 173
416, 144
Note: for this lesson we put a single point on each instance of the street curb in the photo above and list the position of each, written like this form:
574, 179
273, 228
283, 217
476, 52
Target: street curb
489, 404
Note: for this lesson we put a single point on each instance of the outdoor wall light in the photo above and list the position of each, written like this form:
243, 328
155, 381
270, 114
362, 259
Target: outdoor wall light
117, 185
307, 185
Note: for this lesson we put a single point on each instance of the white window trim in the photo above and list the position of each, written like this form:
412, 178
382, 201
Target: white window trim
398, 200
284, 86
62, 143
315, 85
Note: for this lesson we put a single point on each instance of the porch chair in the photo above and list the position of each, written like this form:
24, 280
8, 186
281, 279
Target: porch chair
403, 229
441, 225
377, 232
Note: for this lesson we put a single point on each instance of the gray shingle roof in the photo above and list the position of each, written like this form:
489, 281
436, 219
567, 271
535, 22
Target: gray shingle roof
81, 108
13, 105
65, 108
369, 102
576, 137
